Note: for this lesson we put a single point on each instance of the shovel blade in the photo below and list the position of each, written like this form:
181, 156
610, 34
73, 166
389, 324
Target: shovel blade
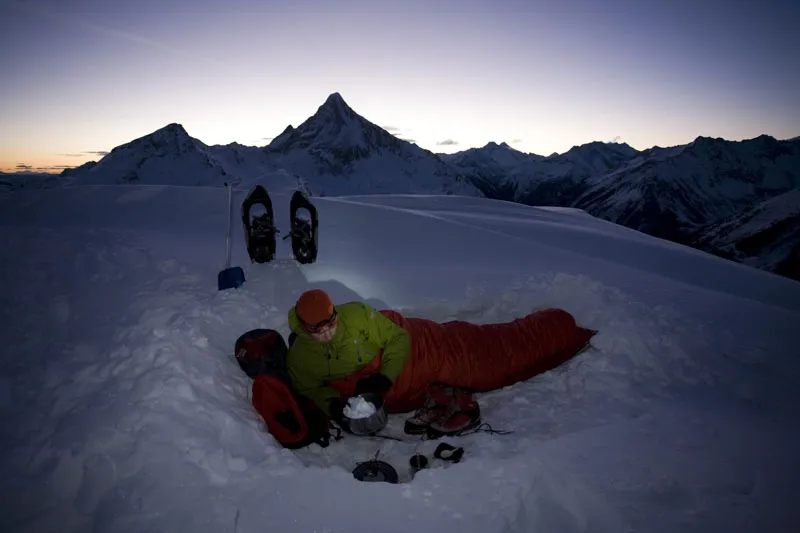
230, 278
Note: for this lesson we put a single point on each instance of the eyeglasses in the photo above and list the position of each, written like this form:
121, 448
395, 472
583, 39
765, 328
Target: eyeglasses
323, 326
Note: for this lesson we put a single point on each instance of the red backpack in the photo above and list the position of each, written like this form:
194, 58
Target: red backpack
293, 419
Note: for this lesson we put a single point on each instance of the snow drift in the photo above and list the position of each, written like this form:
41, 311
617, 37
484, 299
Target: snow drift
122, 407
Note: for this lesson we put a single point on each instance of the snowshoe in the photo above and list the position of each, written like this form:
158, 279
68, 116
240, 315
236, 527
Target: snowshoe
303, 228
259, 230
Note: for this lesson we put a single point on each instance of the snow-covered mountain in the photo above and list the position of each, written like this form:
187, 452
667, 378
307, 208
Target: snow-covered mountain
169, 156
765, 236
340, 152
335, 151
494, 160
672, 193
506, 173
658, 191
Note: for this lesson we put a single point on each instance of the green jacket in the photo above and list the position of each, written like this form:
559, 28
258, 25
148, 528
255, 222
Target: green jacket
362, 333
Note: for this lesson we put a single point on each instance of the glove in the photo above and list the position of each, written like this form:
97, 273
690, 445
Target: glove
375, 383
336, 409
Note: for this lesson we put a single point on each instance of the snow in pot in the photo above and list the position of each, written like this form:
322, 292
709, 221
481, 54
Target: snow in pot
365, 414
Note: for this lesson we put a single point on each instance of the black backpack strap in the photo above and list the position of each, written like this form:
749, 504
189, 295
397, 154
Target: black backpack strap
333, 433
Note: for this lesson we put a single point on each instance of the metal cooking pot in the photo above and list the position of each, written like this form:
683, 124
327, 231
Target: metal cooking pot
373, 423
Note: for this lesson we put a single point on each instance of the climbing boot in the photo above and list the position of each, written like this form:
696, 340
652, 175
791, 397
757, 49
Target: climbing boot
437, 405
463, 413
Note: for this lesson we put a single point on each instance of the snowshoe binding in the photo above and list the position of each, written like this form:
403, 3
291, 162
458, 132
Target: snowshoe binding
259, 229
304, 227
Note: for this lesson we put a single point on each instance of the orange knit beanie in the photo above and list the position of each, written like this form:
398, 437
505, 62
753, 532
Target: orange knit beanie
314, 306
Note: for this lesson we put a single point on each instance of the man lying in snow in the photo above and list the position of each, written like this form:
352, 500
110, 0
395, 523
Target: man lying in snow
339, 351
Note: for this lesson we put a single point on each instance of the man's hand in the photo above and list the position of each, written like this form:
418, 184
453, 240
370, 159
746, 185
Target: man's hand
336, 409
376, 383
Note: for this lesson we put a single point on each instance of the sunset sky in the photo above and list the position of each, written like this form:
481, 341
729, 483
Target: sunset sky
80, 77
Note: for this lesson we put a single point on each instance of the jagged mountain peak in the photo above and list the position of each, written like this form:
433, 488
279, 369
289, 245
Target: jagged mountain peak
171, 139
702, 141
597, 157
335, 110
493, 146
492, 158
335, 101
166, 155
171, 133
602, 147
336, 128
490, 148
172, 128
764, 146
334, 98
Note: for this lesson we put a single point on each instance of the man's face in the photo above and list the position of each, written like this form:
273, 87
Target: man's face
324, 331
325, 334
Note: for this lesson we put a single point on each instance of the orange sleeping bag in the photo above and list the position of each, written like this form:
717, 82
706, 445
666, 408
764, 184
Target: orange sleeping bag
479, 357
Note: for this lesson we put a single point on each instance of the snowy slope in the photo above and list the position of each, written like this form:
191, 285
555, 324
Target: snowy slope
123, 410
766, 236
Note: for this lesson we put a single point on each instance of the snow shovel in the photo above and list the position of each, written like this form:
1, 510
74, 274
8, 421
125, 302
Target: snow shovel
231, 277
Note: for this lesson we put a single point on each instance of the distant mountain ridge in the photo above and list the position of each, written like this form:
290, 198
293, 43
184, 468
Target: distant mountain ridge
688, 193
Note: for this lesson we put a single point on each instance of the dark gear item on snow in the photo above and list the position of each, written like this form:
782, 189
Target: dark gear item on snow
375, 471
446, 411
261, 351
259, 230
230, 277
461, 413
435, 408
336, 411
448, 452
294, 420
304, 230
291, 418
418, 461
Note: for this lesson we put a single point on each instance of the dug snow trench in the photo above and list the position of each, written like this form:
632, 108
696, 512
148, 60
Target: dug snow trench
128, 402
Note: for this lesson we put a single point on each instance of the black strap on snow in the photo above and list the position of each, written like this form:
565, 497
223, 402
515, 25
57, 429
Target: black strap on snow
454, 454
336, 433
484, 428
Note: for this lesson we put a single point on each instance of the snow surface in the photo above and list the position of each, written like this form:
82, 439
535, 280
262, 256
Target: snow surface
123, 410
